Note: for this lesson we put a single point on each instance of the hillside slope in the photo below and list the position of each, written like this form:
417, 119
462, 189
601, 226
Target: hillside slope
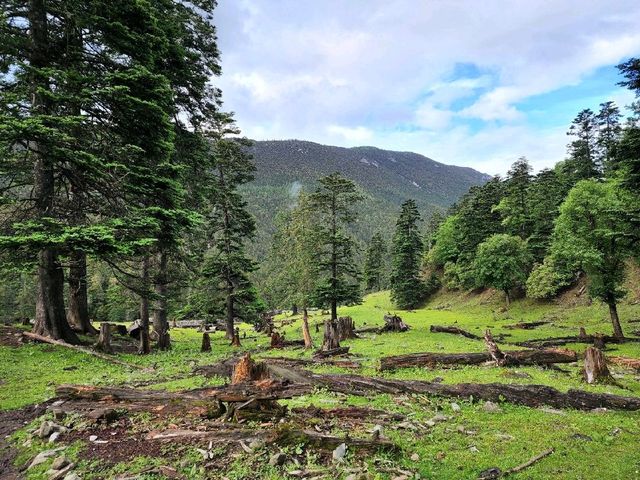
387, 178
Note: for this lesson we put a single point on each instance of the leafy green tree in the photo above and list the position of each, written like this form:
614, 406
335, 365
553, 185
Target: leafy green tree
374, 264
592, 233
333, 205
502, 262
609, 132
546, 280
407, 288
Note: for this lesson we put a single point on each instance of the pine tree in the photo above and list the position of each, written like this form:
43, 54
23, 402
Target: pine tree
514, 206
583, 162
407, 289
374, 264
333, 205
229, 225
609, 132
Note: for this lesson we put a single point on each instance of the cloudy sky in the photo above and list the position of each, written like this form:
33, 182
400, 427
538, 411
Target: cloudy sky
465, 82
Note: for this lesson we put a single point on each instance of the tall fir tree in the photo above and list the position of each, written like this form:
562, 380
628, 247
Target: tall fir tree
407, 288
583, 162
609, 132
514, 206
374, 264
333, 205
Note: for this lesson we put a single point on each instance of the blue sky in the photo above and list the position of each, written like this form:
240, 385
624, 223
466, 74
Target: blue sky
464, 82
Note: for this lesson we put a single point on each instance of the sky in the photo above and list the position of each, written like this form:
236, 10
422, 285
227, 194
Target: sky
476, 83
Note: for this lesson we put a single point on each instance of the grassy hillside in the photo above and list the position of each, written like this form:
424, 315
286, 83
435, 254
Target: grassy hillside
587, 445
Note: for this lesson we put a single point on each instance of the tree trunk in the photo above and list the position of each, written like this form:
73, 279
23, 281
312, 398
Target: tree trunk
308, 342
206, 343
615, 321
454, 330
144, 347
104, 340
50, 319
78, 314
160, 321
235, 341
595, 366
50, 314
507, 298
229, 313
346, 328
294, 309
331, 336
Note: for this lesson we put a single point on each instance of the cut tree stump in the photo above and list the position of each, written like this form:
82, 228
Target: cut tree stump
595, 366
346, 328
331, 339
393, 323
277, 340
206, 343
104, 339
246, 370
454, 330
235, 342
493, 349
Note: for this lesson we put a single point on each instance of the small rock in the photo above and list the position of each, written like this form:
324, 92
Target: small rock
491, 407
93, 438
54, 436
245, 447
440, 418
599, 410
415, 457
490, 474
58, 413
553, 411
455, 407
59, 463
72, 476
430, 423
615, 431
473, 449
44, 456
277, 459
46, 429
256, 444
106, 415
460, 429
401, 477
503, 436
339, 453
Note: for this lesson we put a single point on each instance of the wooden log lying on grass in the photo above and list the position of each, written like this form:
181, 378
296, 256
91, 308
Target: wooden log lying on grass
88, 351
583, 338
526, 325
454, 330
515, 358
633, 363
528, 395
393, 323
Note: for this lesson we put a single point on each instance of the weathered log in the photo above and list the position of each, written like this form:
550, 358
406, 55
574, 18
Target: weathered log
277, 340
346, 328
595, 366
235, 342
526, 325
206, 343
454, 330
104, 339
368, 330
559, 341
633, 363
393, 323
297, 362
88, 351
331, 353
514, 358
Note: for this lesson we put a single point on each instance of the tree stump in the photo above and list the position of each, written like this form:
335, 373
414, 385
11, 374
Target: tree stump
235, 342
595, 366
277, 340
583, 334
393, 323
206, 343
346, 328
598, 341
493, 349
331, 336
104, 339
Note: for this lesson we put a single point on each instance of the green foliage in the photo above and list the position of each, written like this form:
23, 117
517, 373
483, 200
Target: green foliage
502, 262
375, 264
514, 206
546, 280
407, 288
337, 274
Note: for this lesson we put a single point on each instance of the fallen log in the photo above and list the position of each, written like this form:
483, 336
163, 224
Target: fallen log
515, 358
526, 325
633, 363
393, 323
77, 348
331, 353
297, 362
560, 341
454, 330
367, 330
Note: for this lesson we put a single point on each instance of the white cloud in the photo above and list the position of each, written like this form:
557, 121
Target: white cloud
388, 71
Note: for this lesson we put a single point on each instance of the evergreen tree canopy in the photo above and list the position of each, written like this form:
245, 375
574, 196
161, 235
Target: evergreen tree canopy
374, 264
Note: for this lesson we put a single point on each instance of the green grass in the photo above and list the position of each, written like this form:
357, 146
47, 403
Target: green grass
587, 445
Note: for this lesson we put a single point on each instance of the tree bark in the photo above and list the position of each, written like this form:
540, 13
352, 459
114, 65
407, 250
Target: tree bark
50, 319
308, 342
615, 320
144, 347
206, 343
160, 321
78, 314
393, 323
229, 312
346, 328
104, 340
331, 336
294, 309
595, 366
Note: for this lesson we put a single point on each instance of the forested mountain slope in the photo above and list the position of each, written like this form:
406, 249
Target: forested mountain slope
387, 178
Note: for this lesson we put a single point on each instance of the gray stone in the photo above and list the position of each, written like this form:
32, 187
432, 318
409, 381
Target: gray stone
277, 459
440, 418
54, 436
72, 476
339, 453
60, 462
415, 457
491, 407
44, 456
553, 411
93, 438
46, 429
455, 407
